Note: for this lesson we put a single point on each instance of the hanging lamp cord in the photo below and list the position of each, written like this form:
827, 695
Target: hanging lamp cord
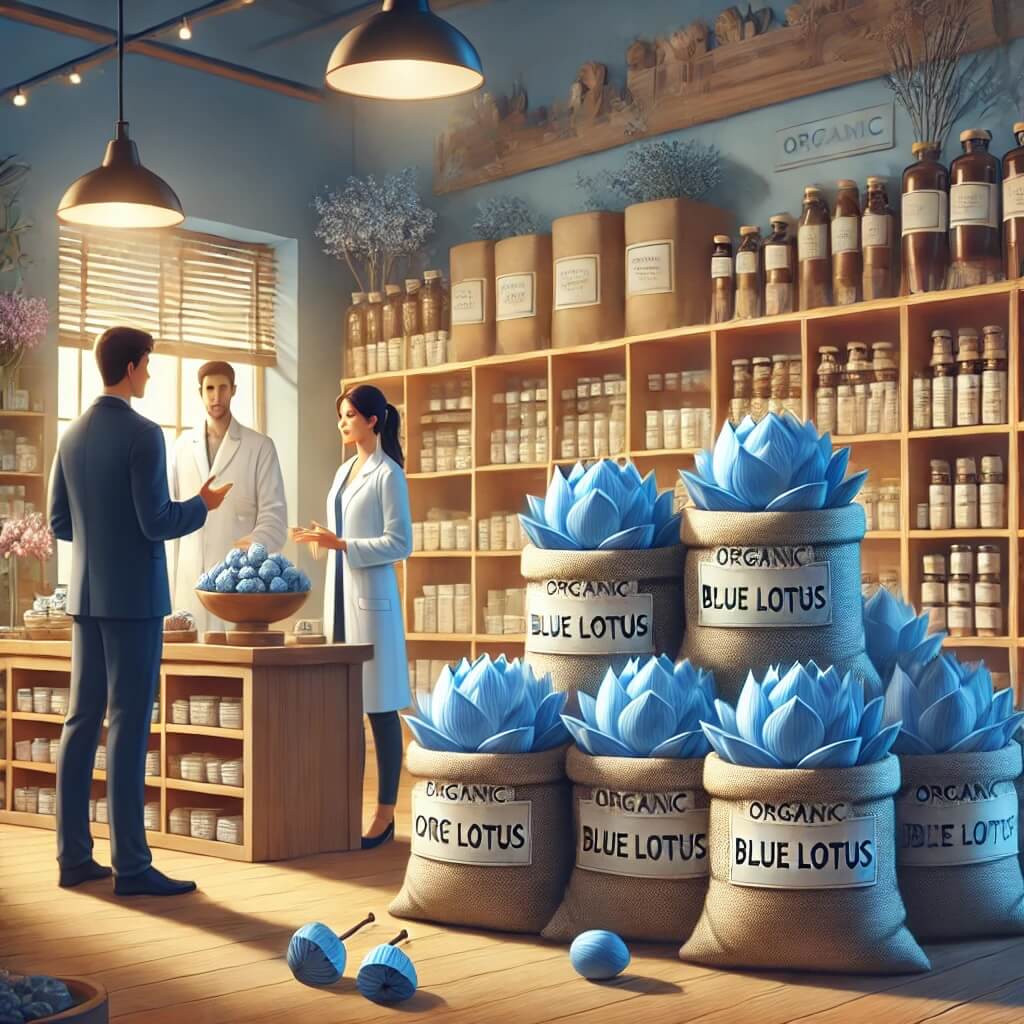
120, 64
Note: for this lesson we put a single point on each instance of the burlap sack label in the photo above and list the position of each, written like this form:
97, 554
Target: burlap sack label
764, 587
650, 267
801, 846
642, 835
577, 281
469, 301
592, 617
482, 825
956, 823
516, 296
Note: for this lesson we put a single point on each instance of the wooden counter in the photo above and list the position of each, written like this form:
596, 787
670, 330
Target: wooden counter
301, 742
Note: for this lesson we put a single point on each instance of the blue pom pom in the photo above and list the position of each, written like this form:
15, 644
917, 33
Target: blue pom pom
304, 582
247, 573
598, 955
36, 1010
226, 581
278, 585
289, 573
268, 570
257, 554
316, 955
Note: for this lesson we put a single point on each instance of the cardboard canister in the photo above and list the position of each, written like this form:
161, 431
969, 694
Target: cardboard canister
667, 250
472, 300
522, 293
588, 254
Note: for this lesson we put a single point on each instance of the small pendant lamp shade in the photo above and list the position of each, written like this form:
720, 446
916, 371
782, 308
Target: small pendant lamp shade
405, 52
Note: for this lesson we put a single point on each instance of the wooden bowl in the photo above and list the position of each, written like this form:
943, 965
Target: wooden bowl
180, 636
257, 609
90, 1003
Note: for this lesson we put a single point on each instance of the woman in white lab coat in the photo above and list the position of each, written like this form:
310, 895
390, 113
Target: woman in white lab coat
369, 530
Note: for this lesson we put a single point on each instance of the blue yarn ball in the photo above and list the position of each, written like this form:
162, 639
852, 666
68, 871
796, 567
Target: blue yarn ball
36, 1010
246, 573
598, 955
278, 586
316, 955
269, 569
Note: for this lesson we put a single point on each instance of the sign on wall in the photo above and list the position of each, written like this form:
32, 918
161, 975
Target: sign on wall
858, 131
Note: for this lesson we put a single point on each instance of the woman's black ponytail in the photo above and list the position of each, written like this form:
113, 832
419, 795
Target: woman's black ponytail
370, 401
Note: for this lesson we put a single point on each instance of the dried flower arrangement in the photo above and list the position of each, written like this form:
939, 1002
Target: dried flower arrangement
23, 323
28, 537
654, 170
504, 217
12, 225
370, 224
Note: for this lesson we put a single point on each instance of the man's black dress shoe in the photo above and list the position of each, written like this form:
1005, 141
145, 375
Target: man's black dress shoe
151, 883
90, 871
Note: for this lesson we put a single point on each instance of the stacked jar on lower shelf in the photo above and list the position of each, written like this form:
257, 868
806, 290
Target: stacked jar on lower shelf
677, 412
505, 612
443, 530
860, 396
500, 531
443, 608
881, 505
969, 502
209, 823
519, 423
966, 600
423, 672
766, 384
208, 768
593, 418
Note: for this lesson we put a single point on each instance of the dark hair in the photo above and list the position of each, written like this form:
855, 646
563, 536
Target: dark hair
118, 347
370, 401
216, 368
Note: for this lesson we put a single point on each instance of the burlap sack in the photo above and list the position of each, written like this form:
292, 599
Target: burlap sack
522, 290
472, 300
738, 568
641, 869
580, 594
793, 916
526, 809
957, 818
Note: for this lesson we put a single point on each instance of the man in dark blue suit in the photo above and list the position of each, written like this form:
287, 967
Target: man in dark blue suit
108, 496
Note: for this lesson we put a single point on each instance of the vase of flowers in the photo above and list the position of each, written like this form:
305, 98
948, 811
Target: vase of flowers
23, 323
28, 537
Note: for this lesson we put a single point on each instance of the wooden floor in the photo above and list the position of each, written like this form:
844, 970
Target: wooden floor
217, 957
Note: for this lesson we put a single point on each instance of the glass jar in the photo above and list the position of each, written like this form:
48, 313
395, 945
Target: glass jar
722, 285
780, 282
846, 411
960, 589
860, 375
847, 264
355, 334
960, 614
391, 318
825, 396
749, 274
975, 255
940, 496
889, 505
965, 495
890, 580
795, 398
868, 584
994, 406
878, 241
933, 591
943, 379
887, 373
992, 494
921, 411
968, 378
988, 604
922, 516
868, 498
411, 308
1013, 207
760, 387
430, 302
813, 251
779, 384
374, 319
925, 216
961, 560
617, 424
989, 560
742, 391
567, 446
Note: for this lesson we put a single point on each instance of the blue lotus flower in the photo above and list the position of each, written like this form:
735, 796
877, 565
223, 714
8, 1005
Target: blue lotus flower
489, 707
649, 710
949, 707
895, 635
603, 508
778, 464
254, 567
803, 718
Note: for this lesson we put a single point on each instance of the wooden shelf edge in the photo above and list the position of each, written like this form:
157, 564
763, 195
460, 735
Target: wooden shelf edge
441, 554
440, 638
958, 534
205, 730
947, 432
215, 789
524, 467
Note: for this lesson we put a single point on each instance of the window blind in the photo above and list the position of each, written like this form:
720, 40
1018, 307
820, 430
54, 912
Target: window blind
199, 295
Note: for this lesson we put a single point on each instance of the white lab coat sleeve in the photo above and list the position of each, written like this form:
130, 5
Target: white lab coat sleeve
271, 527
396, 542
172, 547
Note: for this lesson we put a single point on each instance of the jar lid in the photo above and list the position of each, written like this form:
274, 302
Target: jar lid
883, 345
941, 465
966, 466
358, 296
921, 147
875, 179
780, 357
961, 548
988, 549
943, 332
722, 239
785, 218
829, 348
741, 362
812, 190
934, 564
992, 328
749, 229
1018, 127
375, 296
392, 289
846, 183
992, 463
412, 284
975, 133
757, 360
431, 275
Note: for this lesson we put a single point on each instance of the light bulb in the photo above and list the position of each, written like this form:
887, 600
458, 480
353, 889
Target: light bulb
75, 78
184, 32
20, 99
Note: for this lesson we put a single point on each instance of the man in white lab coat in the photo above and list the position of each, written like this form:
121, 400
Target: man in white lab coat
254, 509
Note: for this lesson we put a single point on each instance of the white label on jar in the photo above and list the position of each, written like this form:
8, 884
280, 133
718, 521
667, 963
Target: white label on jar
932, 592
875, 228
721, 266
468, 301
812, 242
459, 823
764, 588
968, 399
925, 210
642, 835
942, 402
649, 268
577, 281
801, 846
1013, 197
992, 502
922, 403
746, 263
948, 823
589, 617
959, 592
961, 618
989, 618
965, 506
973, 203
844, 234
993, 395
776, 257
988, 563
515, 296
986, 593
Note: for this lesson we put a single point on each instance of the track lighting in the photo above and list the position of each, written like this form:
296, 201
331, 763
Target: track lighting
20, 99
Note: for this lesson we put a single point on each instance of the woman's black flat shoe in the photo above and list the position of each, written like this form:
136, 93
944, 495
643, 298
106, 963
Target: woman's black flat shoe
385, 836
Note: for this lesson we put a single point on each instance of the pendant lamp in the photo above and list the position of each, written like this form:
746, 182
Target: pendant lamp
121, 192
405, 52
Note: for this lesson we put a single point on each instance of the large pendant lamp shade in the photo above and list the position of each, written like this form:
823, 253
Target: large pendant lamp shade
121, 192
405, 52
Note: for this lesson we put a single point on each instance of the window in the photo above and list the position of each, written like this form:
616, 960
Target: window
201, 297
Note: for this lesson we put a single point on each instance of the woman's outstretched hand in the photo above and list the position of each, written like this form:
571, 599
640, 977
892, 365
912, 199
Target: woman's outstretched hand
318, 537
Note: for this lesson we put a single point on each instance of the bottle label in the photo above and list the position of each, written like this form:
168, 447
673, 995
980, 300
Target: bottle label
649, 268
959, 592
925, 210
577, 281
974, 204
989, 617
776, 257
746, 263
876, 229
987, 593
942, 402
932, 592
844, 234
1013, 197
468, 301
968, 399
721, 266
993, 396
812, 242
516, 296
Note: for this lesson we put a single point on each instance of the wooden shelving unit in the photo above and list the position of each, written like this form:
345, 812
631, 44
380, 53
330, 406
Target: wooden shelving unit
907, 321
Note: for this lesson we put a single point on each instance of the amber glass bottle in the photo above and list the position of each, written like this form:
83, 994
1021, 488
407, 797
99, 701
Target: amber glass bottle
878, 240
925, 217
813, 251
721, 280
1013, 206
391, 317
975, 252
847, 264
355, 335
779, 264
749, 274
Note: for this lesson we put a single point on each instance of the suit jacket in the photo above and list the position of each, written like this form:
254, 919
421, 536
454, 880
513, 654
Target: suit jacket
108, 496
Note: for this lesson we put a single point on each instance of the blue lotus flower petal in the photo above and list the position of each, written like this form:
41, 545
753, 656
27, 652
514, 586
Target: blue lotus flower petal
743, 430
630, 475
485, 686
576, 473
902, 703
739, 751
788, 686
588, 708
611, 702
696, 744
999, 706
663, 508
557, 502
668, 533
535, 507
442, 688
549, 711
773, 443
726, 714
756, 481
1011, 725
844, 723
714, 735
987, 738
836, 468
871, 718
752, 710
463, 721
925, 652
461, 670
712, 498
592, 518
704, 464
684, 744
723, 458
910, 743
846, 491
913, 631
947, 721
938, 679
841, 754
647, 721
792, 731
512, 741
634, 538
811, 470
430, 738
805, 498
553, 737
639, 509
542, 536
879, 745
594, 742
601, 476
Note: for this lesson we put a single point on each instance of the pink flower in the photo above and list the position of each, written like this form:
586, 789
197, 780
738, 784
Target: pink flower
29, 537
23, 322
